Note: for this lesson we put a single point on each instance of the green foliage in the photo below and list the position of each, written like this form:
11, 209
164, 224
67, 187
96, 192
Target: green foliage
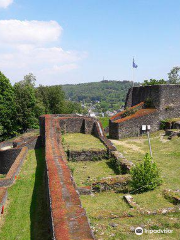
129, 112
148, 103
104, 121
163, 124
173, 75
53, 99
154, 82
7, 108
145, 176
104, 95
25, 100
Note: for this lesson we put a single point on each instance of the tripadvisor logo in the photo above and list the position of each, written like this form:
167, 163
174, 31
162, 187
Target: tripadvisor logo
138, 231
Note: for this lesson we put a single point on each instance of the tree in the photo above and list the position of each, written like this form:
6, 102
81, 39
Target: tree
154, 82
174, 76
7, 108
25, 100
145, 176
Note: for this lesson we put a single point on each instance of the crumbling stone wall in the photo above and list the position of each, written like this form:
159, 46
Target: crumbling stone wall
162, 96
132, 127
91, 155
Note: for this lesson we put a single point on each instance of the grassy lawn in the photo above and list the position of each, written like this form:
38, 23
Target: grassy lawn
86, 172
104, 121
80, 141
26, 215
106, 210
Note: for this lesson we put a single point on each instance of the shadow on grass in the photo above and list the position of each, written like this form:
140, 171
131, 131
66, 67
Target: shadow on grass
39, 208
111, 165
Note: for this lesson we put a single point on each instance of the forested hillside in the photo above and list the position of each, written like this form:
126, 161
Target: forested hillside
110, 94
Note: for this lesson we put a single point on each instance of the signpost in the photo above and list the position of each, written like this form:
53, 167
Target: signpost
147, 128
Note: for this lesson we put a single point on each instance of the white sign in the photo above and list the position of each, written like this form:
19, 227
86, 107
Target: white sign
148, 127
143, 127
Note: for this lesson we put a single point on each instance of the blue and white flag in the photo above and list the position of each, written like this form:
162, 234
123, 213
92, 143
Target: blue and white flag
134, 65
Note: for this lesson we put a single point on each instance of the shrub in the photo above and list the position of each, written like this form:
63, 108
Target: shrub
129, 112
148, 103
145, 176
163, 124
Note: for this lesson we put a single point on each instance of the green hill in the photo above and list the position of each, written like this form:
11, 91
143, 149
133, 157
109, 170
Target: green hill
106, 95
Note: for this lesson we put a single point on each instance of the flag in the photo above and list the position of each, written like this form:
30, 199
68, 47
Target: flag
134, 65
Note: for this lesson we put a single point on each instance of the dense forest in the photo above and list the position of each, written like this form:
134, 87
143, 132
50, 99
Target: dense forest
110, 95
22, 104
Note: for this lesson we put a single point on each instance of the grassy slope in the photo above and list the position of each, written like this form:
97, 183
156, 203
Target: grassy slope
102, 207
26, 215
79, 141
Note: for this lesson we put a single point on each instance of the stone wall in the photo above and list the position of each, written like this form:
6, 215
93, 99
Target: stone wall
31, 143
14, 169
62, 195
132, 127
91, 155
77, 124
162, 96
7, 158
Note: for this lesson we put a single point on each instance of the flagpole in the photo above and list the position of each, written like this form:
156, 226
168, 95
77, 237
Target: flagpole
133, 73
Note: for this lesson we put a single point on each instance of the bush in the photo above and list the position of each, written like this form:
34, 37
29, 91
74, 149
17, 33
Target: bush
145, 176
148, 103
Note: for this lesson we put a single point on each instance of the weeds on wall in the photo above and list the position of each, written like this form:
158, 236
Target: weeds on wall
148, 103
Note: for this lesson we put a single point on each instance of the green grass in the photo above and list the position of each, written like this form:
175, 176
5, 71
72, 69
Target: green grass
86, 172
106, 208
166, 154
104, 121
2, 175
79, 142
26, 216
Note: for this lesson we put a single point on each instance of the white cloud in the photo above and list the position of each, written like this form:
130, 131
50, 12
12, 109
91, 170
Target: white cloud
33, 46
5, 3
15, 31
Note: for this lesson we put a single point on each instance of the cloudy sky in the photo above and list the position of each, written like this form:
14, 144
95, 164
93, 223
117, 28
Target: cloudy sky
73, 41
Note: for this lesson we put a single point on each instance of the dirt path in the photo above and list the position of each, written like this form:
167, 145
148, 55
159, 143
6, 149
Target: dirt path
130, 146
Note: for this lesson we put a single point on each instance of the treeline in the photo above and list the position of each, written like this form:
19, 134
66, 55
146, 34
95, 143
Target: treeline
111, 95
22, 104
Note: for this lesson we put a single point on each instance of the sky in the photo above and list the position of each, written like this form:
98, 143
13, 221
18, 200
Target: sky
76, 41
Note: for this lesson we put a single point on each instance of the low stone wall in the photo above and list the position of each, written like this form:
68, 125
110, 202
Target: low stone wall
117, 183
121, 164
15, 168
172, 196
89, 155
130, 200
